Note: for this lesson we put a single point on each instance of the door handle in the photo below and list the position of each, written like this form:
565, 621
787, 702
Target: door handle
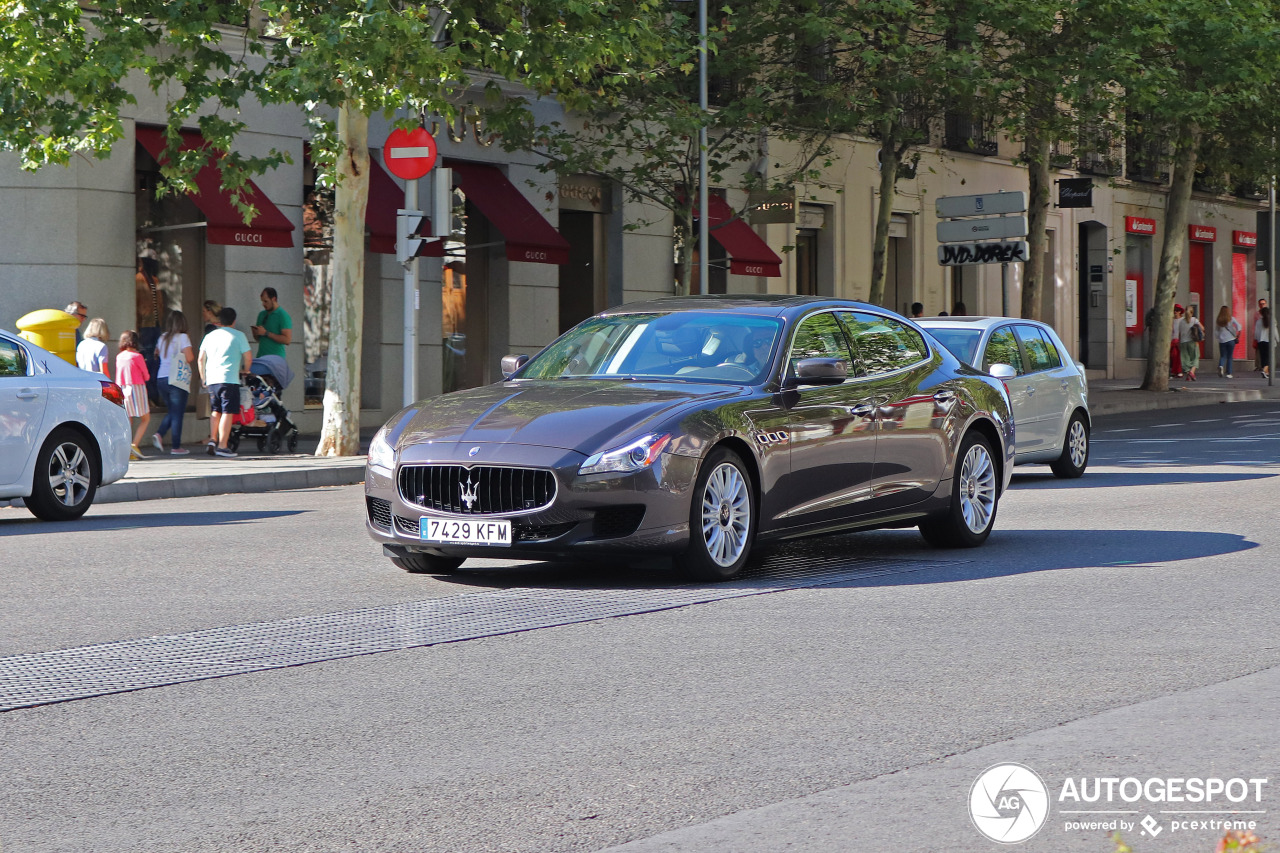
1031, 391
866, 410
27, 394
945, 396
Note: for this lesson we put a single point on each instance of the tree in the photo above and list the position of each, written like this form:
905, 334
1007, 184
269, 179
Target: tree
1202, 65
638, 125
66, 74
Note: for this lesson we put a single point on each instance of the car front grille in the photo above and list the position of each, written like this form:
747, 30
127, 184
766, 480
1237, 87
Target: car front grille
379, 512
482, 490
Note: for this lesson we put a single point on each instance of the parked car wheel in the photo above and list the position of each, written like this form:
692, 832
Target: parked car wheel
66, 477
427, 564
1075, 450
975, 496
722, 520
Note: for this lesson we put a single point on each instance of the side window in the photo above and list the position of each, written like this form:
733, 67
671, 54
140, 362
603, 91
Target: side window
819, 336
1042, 354
13, 362
881, 344
1003, 349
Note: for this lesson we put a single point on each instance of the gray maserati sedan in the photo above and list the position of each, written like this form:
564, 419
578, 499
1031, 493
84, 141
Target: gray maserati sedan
697, 427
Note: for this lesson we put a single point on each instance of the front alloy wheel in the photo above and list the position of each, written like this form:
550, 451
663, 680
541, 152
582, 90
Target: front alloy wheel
1075, 450
975, 496
722, 520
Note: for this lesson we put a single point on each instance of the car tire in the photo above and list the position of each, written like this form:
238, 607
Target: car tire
1075, 450
722, 519
66, 477
428, 564
975, 497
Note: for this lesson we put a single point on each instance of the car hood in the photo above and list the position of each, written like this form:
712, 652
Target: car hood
576, 415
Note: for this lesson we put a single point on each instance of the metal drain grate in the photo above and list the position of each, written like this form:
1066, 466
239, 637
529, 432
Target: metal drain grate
87, 671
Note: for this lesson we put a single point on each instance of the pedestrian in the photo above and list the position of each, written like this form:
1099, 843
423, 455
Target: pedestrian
917, 310
224, 358
959, 310
273, 329
80, 312
1190, 335
1262, 303
1262, 338
132, 376
91, 353
1175, 344
174, 382
1228, 332
209, 311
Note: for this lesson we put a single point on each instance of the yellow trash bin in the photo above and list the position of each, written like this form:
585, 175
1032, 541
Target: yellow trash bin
51, 329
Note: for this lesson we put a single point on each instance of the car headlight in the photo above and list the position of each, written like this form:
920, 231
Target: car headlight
636, 456
381, 453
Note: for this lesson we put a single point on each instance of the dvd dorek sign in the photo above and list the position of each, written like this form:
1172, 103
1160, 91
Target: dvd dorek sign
963, 254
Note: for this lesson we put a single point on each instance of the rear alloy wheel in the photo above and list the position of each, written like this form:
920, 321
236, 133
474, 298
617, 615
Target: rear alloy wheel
722, 520
1075, 450
975, 496
66, 477
427, 564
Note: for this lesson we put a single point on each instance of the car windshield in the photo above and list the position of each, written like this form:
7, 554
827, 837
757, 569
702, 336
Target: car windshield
962, 343
695, 346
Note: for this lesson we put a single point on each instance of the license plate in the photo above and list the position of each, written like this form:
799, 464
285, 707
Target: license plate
449, 531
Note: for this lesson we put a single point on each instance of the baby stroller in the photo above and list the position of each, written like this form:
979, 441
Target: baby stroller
268, 376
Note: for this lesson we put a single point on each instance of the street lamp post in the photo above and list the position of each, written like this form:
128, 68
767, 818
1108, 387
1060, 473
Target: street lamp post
704, 230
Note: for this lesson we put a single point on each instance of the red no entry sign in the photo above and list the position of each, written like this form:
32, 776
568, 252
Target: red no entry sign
409, 154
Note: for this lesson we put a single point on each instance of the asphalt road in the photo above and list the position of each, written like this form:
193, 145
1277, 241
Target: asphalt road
1120, 625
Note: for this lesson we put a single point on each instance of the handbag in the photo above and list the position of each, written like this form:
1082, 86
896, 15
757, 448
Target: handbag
180, 373
1197, 332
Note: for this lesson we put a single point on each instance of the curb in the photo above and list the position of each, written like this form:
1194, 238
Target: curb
1174, 399
229, 484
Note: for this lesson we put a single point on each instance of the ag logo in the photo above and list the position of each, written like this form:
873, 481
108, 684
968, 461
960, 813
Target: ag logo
767, 438
1008, 803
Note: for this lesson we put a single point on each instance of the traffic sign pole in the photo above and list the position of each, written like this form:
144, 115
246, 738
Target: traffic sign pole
411, 301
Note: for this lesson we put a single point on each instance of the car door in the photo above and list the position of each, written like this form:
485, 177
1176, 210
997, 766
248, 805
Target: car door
831, 432
913, 404
1051, 380
1003, 347
22, 404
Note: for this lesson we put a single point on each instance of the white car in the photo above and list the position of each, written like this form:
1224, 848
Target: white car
63, 431
1048, 388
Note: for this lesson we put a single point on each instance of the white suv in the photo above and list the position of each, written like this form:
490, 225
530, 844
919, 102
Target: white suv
63, 431
1048, 388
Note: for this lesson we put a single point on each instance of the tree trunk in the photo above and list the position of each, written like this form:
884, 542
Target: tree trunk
1033, 283
1175, 235
685, 233
890, 158
340, 432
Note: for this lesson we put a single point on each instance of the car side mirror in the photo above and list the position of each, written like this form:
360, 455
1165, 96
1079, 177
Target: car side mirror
1002, 371
821, 371
512, 363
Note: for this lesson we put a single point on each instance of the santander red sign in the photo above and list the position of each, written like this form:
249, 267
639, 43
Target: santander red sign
1139, 225
1202, 233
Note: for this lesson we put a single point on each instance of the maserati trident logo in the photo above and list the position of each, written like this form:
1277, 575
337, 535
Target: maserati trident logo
473, 451
467, 490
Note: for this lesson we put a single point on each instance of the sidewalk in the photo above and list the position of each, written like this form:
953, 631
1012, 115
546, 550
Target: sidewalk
1120, 396
159, 476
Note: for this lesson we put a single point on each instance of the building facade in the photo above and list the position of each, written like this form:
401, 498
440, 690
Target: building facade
529, 255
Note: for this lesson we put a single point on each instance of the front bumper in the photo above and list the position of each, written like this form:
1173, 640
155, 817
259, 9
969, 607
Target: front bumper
642, 512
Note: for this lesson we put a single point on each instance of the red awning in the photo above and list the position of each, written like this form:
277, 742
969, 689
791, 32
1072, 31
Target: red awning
530, 237
225, 224
748, 254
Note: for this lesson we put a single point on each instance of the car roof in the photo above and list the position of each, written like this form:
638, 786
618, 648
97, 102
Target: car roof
768, 304
979, 322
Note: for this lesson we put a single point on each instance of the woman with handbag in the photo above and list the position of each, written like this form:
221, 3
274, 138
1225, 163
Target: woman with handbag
1229, 329
174, 382
1190, 334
